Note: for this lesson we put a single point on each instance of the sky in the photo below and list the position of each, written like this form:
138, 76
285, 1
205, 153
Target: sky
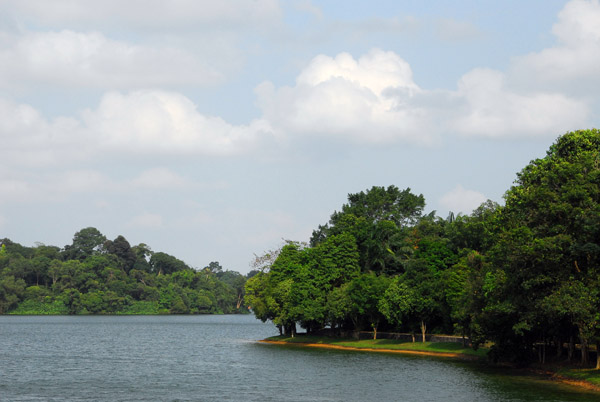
214, 130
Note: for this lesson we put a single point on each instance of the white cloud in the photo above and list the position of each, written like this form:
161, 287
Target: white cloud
571, 65
75, 59
461, 200
375, 100
177, 14
19, 187
146, 221
366, 100
159, 122
28, 139
491, 109
137, 123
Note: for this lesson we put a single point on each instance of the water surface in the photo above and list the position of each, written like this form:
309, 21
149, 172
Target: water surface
210, 358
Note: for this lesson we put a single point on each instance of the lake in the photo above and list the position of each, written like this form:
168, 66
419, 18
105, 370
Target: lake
216, 358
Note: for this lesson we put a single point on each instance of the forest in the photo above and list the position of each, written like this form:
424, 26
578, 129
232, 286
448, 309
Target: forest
94, 275
523, 277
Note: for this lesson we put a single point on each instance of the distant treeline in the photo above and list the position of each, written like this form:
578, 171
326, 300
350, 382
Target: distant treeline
94, 275
524, 277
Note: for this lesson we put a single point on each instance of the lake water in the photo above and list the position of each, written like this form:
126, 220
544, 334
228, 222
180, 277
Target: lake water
216, 358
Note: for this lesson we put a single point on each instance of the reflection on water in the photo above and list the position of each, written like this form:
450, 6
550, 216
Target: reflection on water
197, 358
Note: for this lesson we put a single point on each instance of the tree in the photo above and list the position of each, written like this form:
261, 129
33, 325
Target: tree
85, 243
365, 292
376, 219
384, 204
424, 295
11, 291
143, 253
163, 264
338, 306
397, 302
581, 305
236, 282
121, 248
549, 231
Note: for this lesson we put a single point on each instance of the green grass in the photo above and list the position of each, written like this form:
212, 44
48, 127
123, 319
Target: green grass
589, 375
433, 347
35, 307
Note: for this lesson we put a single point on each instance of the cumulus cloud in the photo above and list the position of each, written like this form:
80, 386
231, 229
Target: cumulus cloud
137, 123
571, 65
75, 59
491, 109
373, 99
461, 200
151, 122
366, 100
29, 139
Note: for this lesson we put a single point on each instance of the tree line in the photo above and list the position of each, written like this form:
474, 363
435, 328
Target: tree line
523, 277
94, 275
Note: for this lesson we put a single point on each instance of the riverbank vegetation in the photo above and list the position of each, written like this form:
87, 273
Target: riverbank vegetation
94, 275
523, 277
435, 348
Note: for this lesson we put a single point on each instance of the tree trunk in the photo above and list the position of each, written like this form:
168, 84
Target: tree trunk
423, 329
571, 347
374, 332
597, 354
584, 352
413, 336
544, 352
558, 347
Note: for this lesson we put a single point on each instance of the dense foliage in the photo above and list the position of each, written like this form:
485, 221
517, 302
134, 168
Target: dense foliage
523, 277
94, 275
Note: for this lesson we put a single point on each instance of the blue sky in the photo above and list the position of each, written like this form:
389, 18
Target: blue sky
213, 130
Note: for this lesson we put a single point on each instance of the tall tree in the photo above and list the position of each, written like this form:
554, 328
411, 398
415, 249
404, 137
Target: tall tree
85, 243
375, 218
549, 235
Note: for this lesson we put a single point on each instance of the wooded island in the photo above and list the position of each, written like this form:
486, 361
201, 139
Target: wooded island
523, 277
94, 275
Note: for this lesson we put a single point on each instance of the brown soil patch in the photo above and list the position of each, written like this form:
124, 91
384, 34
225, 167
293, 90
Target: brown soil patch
552, 376
400, 351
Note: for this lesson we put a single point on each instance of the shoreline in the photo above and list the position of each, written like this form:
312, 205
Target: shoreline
546, 374
460, 356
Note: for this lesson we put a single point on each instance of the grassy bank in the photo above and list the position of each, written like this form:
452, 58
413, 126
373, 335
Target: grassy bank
573, 375
591, 376
448, 349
